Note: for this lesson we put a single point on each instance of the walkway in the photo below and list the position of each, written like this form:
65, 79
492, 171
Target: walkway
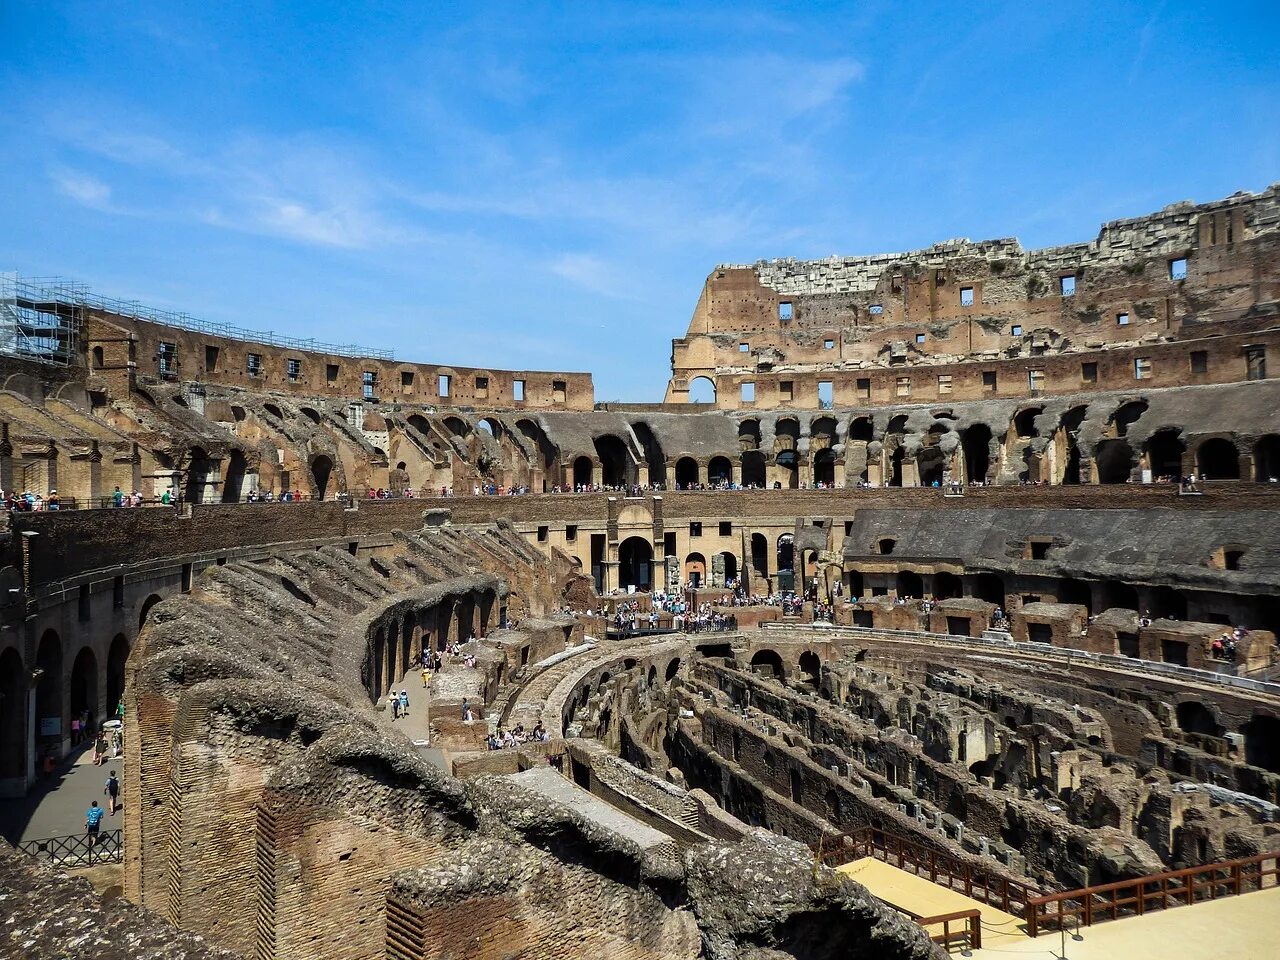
1242, 928
913, 894
417, 725
55, 808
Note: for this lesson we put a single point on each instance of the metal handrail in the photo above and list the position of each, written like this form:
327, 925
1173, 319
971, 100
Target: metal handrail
1064, 653
77, 850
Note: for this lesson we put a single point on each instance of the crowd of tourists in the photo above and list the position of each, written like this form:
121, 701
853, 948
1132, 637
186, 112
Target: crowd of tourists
502, 739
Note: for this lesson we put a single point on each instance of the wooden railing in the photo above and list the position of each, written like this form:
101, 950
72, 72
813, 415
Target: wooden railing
1159, 891
1009, 895
961, 929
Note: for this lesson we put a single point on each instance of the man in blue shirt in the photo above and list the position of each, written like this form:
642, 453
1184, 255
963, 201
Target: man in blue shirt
92, 819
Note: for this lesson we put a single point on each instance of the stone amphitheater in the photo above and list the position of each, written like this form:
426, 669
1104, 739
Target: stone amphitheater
947, 622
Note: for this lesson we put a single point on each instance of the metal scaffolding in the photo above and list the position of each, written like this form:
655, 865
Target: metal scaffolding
39, 321
41, 318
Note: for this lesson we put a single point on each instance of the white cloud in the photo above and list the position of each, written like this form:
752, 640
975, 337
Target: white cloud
82, 188
592, 273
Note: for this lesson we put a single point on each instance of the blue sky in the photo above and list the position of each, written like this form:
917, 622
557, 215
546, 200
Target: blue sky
547, 186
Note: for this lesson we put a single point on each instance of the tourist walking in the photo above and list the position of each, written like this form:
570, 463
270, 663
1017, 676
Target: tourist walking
113, 791
92, 821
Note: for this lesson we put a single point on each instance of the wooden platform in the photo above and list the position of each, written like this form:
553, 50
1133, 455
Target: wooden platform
916, 895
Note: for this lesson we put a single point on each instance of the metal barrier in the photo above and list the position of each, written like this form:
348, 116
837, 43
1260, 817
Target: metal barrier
1159, 891
79, 850
1041, 649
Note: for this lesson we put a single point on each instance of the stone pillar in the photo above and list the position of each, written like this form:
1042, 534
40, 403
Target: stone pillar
736, 472
597, 474
642, 475
715, 575
671, 475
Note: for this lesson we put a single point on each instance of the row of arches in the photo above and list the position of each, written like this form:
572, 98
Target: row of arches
60, 694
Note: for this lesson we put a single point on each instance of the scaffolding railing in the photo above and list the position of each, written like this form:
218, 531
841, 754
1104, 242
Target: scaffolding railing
54, 292
35, 327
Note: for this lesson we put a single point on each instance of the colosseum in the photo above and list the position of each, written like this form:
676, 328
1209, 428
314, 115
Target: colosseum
945, 623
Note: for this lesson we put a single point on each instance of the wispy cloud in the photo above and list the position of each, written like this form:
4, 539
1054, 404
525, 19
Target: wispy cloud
82, 188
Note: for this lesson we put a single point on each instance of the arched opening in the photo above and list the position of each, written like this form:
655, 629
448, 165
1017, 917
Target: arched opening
83, 692
861, 429
457, 426
233, 489
1266, 459
1076, 591
753, 469
1068, 431
652, 452
790, 464
314, 415
702, 390
730, 566
824, 467
616, 468
810, 669
910, 584
989, 587
1127, 415
719, 471
1195, 717
321, 470
582, 472
147, 604
1024, 422
1164, 454
786, 557
1218, 459
673, 668
749, 435
1113, 461
695, 569
635, 563
1262, 743
895, 464
97, 358
947, 585
49, 689
768, 663
930, 462
117, 657
378, 649
760, 554
13, 715
198, 469
976, 441
686, 472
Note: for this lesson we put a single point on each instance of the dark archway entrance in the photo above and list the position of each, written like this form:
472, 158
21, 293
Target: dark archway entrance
1195, 717
947, 585
719, 471
686, 472
910, 584
1076, 591
582, 472
635, 563
321, 471
13, 716
753, 469
616, 469
786, 557
117, 657
1113, 461
1218, 459
824, 468
976, 441
760, 554
810, 668
83, 691
767, 662
233, 489
790, 465
1266, 459
1262, 743
1164, 454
